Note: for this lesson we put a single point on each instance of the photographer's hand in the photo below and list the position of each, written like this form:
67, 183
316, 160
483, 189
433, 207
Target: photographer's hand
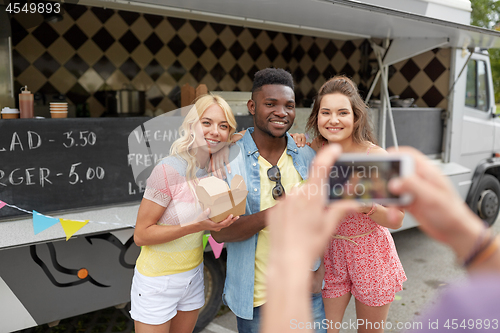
436, 205
300, 228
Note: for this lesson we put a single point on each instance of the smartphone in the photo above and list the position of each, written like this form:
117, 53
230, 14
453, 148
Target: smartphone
366, 177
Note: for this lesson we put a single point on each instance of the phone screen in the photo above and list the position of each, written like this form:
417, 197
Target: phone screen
363, 180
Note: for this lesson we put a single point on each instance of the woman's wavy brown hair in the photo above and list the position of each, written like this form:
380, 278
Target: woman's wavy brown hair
362, 132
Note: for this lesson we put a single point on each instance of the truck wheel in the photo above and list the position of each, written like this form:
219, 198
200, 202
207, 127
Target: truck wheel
214, 285
486, 200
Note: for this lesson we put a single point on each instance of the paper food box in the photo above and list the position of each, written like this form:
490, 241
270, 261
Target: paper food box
214, 193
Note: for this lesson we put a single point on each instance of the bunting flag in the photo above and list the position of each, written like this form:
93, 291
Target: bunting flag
216, 247
71, 227
205, 240
42, 222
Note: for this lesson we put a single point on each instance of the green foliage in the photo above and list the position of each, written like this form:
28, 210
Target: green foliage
486, 14
495, 70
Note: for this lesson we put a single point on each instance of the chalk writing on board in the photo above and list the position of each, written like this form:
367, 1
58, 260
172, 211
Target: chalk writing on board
43, 176
83, 139
97, 173
57, 165
134, 188
53, 165
32, 140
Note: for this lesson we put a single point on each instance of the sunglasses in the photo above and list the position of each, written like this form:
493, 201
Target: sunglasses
274, 175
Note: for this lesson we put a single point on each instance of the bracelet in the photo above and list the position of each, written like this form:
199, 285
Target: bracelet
478, 246
374, 208
486, 253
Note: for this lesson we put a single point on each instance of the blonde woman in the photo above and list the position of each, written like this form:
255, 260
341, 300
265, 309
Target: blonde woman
167, 289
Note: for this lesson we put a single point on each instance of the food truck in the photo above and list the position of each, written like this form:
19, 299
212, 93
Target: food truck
68, 197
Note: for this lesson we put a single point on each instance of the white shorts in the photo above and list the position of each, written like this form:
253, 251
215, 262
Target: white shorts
156, 300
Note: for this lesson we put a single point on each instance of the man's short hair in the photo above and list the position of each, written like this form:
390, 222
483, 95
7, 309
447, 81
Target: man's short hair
272, 76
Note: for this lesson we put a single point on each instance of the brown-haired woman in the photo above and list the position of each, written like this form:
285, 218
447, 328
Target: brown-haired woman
361, 259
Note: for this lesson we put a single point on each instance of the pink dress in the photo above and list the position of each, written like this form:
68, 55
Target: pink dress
367, 266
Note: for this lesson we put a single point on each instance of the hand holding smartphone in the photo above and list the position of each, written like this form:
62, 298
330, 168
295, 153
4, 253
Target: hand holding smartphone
366, 177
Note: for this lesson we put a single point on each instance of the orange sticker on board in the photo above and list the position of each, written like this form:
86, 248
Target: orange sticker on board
83, 273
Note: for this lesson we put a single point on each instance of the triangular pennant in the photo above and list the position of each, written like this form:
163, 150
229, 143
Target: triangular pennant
216, 247
2, 204
205, 240
71, 227
42, 222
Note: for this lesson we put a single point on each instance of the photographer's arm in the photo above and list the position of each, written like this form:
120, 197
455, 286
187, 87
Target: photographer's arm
444, 216
289, 276
244, 228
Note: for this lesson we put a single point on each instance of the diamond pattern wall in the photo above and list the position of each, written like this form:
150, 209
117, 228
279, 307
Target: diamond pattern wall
94, 49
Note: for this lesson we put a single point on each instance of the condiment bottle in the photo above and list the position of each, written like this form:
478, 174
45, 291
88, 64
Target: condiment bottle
26, 103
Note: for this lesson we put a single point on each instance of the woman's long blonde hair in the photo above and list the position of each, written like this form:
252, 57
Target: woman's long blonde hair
183, 146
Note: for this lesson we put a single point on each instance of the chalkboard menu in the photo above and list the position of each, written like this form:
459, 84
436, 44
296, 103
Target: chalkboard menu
51, 165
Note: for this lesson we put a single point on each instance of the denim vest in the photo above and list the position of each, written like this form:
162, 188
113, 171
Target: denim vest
240, 273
